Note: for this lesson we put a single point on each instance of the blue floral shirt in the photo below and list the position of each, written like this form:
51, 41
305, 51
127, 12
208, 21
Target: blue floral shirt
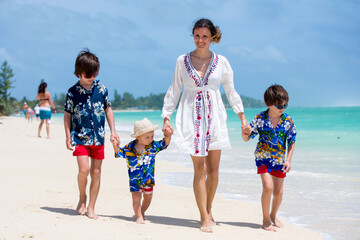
141, 167
87, 109
271, 148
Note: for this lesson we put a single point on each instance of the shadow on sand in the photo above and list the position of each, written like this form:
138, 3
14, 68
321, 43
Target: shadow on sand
65, 211
170, 221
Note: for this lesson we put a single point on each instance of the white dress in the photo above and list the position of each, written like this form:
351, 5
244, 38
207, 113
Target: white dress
201, 116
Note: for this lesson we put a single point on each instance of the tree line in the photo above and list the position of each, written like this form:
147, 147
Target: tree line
125, 101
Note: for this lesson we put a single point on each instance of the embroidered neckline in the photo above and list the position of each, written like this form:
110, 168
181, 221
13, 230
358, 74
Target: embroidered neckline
194, 74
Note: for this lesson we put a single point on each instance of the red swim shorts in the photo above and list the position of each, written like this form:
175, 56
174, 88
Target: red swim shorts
278, 173
95, 152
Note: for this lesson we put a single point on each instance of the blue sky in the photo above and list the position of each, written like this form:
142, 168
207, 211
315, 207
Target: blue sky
311, 47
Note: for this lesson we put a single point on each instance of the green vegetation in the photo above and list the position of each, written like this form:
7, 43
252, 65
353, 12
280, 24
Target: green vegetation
7, 103
248, 102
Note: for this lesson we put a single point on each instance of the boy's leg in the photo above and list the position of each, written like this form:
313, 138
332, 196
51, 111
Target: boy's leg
277, 199
95, 173
136, 198
212, 179
83, 164
145, 203
268, 188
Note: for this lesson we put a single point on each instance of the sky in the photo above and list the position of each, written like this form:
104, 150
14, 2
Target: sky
311, 47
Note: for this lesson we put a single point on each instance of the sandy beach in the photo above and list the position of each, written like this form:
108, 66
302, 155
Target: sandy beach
39, 196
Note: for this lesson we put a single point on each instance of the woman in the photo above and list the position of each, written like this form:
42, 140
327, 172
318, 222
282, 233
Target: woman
45, 111
201, 115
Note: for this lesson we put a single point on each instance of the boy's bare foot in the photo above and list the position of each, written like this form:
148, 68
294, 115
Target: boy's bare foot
277, 222
81, 207
91, 214
140, 220
268, 227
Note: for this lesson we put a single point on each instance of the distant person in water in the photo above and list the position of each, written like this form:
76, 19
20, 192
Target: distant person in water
276, 130
45, 110
86, 107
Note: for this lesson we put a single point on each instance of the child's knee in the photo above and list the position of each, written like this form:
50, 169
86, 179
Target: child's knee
268, 188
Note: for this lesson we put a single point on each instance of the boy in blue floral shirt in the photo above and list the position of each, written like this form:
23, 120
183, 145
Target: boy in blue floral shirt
87, 104
140, 155
275, 129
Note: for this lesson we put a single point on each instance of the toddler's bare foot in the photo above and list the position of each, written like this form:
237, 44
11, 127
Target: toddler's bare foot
81, 207
267, 226
277, 222
91, 214
140, 220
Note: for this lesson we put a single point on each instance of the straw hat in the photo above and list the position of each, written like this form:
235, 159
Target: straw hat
142, 127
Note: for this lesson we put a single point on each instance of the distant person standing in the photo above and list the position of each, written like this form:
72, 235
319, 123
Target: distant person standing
45, 110
37, 111
25, 107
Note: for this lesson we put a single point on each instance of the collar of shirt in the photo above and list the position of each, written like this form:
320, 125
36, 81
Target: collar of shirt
95, 83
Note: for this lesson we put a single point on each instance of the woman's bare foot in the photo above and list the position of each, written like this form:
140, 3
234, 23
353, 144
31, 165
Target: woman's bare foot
140, 220
267, 226
207, 229
91, 214
81, 207
277, 222
212, 221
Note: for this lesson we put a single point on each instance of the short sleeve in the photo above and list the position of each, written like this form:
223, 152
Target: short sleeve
69, 104
254, 126
121, 153
107, 102
159, 145
291, 134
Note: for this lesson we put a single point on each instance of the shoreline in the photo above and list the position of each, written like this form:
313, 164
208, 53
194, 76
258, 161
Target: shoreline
45, 178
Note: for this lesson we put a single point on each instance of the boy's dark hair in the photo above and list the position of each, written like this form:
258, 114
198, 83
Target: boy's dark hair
87, 63
275, 94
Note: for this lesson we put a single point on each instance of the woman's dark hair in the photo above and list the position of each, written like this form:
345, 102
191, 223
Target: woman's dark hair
276, 94
214, 30
42, 87
87, 63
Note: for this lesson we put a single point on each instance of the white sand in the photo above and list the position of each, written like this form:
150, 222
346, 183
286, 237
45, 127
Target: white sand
39, 194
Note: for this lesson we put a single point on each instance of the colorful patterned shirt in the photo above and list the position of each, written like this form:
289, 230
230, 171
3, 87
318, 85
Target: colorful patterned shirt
87, 109
271, 147
141, 167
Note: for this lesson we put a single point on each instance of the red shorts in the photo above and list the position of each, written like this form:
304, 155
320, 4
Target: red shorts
95, 152
278, 173
146, 189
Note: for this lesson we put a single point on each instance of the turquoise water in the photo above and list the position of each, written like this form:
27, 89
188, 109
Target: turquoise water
321, 192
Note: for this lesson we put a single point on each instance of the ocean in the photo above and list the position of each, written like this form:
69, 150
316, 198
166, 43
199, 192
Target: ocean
322, 190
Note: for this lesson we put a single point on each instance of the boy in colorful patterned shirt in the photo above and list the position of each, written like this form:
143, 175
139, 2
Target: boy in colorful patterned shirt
275, 129
86, 107
140, 155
